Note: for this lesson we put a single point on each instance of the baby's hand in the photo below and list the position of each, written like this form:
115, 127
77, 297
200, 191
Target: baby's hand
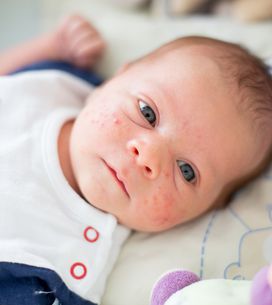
78, 42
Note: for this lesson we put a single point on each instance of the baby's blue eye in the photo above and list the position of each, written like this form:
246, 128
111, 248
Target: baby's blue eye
187, 171
148, 113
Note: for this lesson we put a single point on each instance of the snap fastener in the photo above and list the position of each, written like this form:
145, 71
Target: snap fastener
78, 271
91, 234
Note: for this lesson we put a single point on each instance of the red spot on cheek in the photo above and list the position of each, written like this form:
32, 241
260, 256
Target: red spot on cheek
116, 121
160, 209
166, 174
167, 199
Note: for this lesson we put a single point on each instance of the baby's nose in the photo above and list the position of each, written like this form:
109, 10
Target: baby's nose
146, 156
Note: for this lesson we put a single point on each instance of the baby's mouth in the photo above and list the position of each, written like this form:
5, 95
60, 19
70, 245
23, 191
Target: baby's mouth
115, 176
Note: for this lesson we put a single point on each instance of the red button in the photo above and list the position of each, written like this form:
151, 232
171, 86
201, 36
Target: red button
91, 234
78, 271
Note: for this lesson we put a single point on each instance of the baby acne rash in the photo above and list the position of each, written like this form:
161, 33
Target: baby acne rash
160, 210
116, 121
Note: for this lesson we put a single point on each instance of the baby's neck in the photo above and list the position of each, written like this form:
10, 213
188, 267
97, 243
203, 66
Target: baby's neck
64, 154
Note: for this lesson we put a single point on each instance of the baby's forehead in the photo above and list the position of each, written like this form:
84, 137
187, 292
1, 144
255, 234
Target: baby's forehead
195, 58
191, 46
178, 69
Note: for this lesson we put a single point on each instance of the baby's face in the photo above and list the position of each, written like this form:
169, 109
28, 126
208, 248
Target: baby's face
156, 144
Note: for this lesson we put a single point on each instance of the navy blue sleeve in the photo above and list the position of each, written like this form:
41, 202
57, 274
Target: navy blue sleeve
85, 74
27, 285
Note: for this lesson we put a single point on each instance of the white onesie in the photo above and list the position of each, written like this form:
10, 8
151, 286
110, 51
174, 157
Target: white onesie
47, 229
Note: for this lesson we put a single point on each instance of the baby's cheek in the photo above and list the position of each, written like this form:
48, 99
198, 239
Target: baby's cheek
119, 127
95, 118
162, 211
104, 121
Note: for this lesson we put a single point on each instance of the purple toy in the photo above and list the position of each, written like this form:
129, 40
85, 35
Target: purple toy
171, 283
261, 292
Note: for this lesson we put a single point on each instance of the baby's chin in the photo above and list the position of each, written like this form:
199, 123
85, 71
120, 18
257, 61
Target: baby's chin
163, 226
149, 226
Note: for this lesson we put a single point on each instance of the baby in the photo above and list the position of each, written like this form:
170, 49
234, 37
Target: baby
169, 137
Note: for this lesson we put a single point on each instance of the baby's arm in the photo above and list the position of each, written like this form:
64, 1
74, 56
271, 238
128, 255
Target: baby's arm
75, 41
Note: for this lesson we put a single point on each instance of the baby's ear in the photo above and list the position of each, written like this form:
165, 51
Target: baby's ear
123, 68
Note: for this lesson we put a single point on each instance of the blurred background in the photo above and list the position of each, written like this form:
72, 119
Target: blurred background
134, 27
131, 29
19, 20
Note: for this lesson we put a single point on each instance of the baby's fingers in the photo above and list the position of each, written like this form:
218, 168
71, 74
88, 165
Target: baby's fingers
88, 49
79, 41
87, 38
89, 52
80, 29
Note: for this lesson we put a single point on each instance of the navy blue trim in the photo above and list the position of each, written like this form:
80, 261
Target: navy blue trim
22, 284
84, 74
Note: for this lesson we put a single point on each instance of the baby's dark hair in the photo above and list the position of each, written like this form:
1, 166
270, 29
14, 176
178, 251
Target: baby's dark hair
250, 78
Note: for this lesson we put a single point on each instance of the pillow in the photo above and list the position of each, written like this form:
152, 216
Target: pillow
233, 243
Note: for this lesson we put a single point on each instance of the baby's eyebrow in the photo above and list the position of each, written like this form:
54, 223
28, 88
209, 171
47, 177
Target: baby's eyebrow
155, 93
